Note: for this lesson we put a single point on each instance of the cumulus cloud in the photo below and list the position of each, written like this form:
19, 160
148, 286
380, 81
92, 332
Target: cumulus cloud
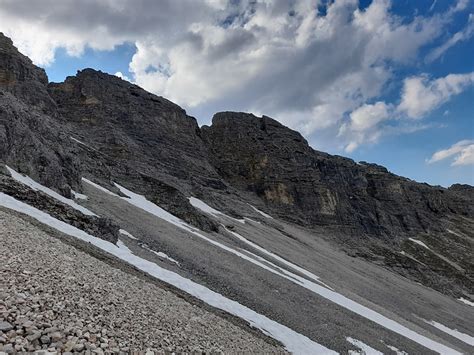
421, 94
462, 153
313, 70
121, 76
363, 125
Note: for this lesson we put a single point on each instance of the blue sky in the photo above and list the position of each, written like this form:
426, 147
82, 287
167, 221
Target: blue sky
379, 81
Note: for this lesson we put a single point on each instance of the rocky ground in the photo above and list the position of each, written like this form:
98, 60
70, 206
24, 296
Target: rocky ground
56, 298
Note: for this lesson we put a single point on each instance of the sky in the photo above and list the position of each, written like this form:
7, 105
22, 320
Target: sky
388, 82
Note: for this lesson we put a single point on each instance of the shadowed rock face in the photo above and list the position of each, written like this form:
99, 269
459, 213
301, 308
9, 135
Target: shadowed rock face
101, 127
30, 138
315, 188
148, 133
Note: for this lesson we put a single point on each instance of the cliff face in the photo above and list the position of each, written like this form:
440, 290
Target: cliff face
124, 122
98, 126
315, 188
31, 139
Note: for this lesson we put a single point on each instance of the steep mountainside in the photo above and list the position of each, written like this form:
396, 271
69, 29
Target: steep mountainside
243, 215
101, 127
30, 137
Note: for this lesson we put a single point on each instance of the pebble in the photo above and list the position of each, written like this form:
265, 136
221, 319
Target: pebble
5, 326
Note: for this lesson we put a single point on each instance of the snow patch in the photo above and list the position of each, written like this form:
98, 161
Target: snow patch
162, 255
124, 232
141, 202
79, 196
121, 245
293, 341
204, 207
364, 348
453, 332
412, 258
82, 143
419, 242
261, 212
26, 180
469, 303
397, 351
453, 232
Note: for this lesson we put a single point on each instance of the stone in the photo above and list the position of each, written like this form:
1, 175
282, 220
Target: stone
8, 348
79, 347
45, 339
56, 336
32, 337
5, 326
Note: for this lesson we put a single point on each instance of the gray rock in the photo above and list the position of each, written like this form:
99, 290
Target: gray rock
32, 337
8, 348
45, 339
5, 326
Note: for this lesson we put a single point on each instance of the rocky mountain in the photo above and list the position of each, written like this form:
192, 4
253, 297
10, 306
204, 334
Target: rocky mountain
247, 187
370, 210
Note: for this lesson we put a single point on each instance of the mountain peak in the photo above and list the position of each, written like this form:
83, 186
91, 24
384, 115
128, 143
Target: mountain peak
16, 67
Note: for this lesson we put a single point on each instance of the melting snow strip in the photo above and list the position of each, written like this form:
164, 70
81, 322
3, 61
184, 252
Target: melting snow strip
364, 348
453, 232
204, 207
261, 212
279, 258
419, 242
469, 303
79, 196
293, 341
397, 351
124, 232
162, 255
412, 258
466, 338
141, 202
81, 143
26, 180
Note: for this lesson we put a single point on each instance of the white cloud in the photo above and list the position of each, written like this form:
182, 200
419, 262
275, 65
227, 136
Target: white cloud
421, 95
367, 116
364, 124
460, 36
466, 157
121, 76
311, 71
462, 152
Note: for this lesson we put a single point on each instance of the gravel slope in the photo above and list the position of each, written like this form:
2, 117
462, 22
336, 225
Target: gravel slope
53, 296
